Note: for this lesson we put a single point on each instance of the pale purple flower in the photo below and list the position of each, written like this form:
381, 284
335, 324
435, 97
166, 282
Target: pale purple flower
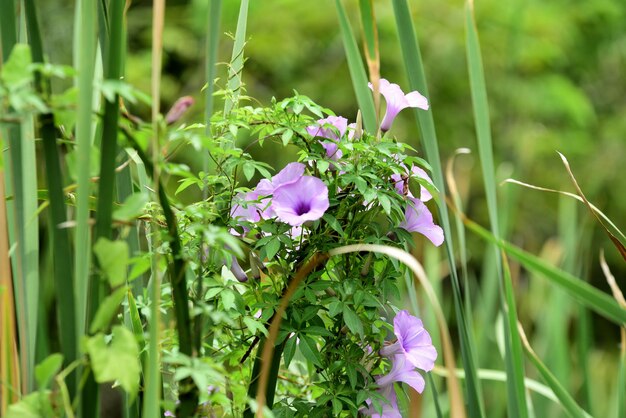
397, 100
402, 370
417, 218
333, 128
169, 414
390, 408
402, 183
255, 205
245, 207
237, 271
303, 200
414, 344
329, 128
291, 173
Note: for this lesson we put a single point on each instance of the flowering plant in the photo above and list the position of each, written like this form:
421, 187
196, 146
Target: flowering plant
336, 349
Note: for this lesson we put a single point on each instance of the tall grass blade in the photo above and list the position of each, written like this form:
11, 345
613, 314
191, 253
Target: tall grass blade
86, 45
417, 81
60, 243
621, 376
586, 294
357, 71
567, 402
236, 61
24, 220
372, 51
153, 388
214, 11
514, 361
9, 361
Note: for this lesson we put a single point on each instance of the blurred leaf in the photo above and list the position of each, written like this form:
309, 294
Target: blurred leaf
47, 369
113, 260
116, 362
107, 310
15, 71
352, 321
132, 208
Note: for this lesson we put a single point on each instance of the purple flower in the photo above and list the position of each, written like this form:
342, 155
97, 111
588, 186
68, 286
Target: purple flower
303, 200
390, 408
417, 218
414, 344
402, 370
333, 128
329, 127
255, 205
291, 173
402, 183
397, 100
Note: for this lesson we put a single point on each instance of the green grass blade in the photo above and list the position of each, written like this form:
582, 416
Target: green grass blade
60, 243
213, 28
516, 399
86, 34
417, 81
23, 217
567, 402
236, 61
515, 353
586, 294
357, 71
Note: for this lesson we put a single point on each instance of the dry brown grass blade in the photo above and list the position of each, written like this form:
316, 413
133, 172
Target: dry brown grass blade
617, 294
9, 363
573, 196
457, 406
618, 244
268, 347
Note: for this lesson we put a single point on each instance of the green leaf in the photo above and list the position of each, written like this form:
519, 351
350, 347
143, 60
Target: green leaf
322, 165
34, 405
333, 223
107, 310
255, 326
116, 362
113, 259
132, 207
47, 369
384, 202
248, 170
271, 248
290, 350
15, 71
309, 350
286, 136
228, 299
352, 320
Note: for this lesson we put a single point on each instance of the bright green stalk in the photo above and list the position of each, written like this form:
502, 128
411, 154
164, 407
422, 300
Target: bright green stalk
514, 360
236, 61
213, 27
82, 260
417, 81
357, 71
59, 237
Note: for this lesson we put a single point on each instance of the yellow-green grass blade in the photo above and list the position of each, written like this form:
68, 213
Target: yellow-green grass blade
357, 71
584, 293
214, 10
372, 53
60, 243
417, 81
514, 361
236, 61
